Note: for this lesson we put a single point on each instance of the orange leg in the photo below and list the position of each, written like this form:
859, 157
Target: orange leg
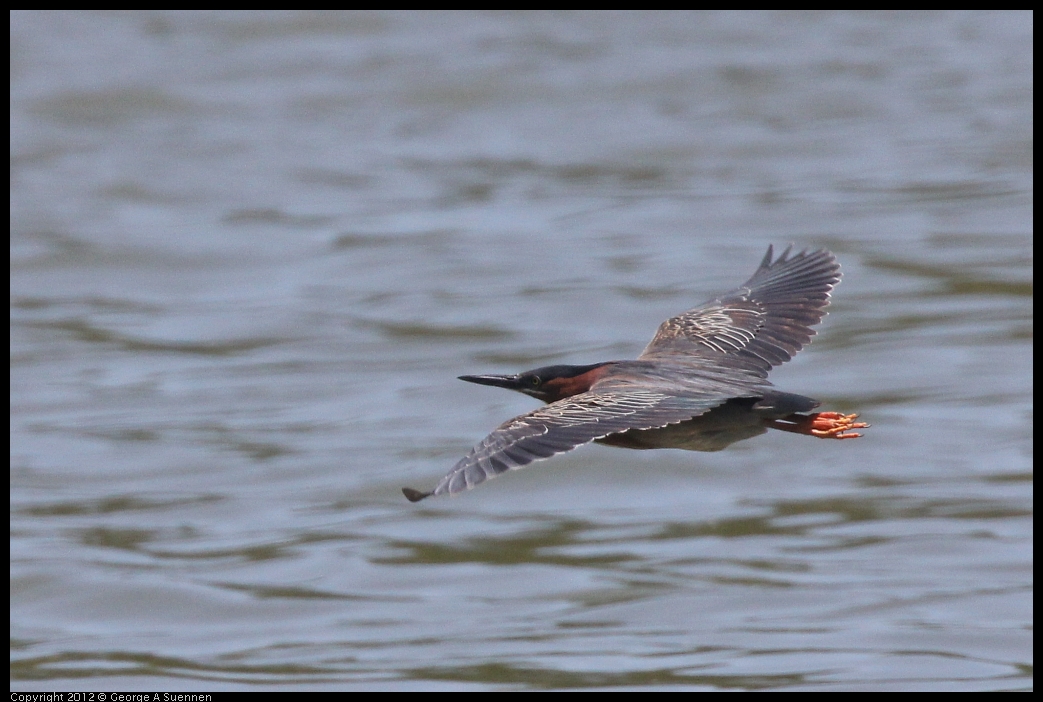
825, 425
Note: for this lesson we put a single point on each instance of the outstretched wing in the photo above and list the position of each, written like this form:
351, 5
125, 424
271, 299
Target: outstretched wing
760, 325
562, 426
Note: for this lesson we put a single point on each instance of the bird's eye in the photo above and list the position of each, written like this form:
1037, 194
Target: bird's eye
535, 381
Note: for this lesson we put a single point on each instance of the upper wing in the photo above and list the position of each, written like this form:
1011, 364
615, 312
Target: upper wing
562, 426
760, 325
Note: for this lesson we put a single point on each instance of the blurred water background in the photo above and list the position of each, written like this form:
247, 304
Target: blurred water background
251, 252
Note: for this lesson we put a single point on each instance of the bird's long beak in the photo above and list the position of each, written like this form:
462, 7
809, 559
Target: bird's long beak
499, 381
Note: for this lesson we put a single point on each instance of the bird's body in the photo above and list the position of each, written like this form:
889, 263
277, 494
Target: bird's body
735, 420
700, 385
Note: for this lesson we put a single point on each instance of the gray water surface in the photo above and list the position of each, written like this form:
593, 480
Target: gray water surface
251, 252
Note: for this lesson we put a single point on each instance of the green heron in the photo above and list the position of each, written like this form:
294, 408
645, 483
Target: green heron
700, 384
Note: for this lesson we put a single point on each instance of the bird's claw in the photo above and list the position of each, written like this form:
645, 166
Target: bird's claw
833, 425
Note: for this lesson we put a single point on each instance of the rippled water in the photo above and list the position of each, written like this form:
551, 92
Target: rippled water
250, 253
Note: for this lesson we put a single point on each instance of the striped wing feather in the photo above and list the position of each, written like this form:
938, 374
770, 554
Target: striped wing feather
760, 325
562, 426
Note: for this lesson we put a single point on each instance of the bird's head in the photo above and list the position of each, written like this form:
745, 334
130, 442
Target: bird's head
549, 384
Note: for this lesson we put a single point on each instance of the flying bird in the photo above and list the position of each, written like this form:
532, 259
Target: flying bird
700, 384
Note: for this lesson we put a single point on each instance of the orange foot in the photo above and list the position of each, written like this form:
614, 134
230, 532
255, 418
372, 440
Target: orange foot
825, 425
